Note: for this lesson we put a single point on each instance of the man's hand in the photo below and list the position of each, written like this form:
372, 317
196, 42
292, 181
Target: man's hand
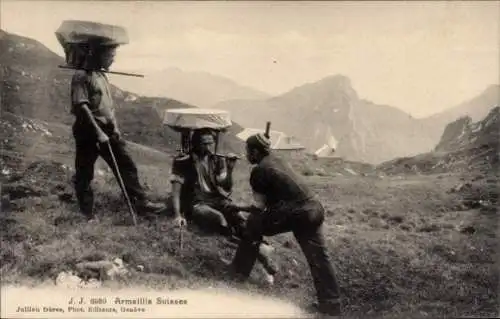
231, 160
259, 200
252, 209
231, 163
180, 221
102, 137
117, 134
244, 207
232, 156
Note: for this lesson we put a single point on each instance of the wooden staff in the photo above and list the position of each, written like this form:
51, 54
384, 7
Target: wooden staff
122, 185
181, 239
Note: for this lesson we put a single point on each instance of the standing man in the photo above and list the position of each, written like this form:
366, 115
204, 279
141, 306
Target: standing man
289, 206
95, 125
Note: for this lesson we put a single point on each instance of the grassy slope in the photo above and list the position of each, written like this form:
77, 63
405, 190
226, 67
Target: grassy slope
396, 242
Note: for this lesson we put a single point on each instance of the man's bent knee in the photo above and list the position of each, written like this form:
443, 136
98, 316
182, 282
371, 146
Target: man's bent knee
206, 213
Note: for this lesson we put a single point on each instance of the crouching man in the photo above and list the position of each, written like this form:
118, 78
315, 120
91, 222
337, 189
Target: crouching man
95, 126
289, 206
201, 189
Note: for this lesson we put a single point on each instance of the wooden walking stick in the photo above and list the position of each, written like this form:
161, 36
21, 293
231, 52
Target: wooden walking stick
181, 238
185, 149
122, 186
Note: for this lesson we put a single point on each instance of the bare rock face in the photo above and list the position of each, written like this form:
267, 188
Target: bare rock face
463, 133
465, 146
455, 134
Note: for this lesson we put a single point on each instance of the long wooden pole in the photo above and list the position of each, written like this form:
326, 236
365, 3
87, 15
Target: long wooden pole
105, 71
122, 185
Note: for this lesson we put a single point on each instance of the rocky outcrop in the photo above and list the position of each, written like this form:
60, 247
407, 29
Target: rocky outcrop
464, 146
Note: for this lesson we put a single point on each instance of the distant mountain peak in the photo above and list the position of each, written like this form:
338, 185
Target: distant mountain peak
332, 81
330, 86
339, 83
337, 79
329, 112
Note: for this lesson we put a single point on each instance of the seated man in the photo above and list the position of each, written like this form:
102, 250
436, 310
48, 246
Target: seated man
201, 186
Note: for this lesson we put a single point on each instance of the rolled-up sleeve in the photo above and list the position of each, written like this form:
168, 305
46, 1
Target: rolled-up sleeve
178, 171
79, 89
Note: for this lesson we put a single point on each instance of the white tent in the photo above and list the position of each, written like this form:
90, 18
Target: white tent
324, 151
279, 140
327, 149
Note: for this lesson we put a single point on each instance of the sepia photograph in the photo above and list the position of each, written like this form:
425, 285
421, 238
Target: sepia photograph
249, 159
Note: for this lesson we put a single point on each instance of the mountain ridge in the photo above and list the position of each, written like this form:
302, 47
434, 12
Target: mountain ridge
333, 105
199, 88
365, 131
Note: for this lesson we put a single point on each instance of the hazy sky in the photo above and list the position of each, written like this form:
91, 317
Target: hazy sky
419, 56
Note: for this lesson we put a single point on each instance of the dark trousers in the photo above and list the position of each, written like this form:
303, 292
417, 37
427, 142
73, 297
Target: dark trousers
305, 221
214, 211
209, 214
87, 152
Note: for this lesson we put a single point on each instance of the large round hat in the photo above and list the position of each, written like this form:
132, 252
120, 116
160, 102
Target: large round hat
76, 36
81, 32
